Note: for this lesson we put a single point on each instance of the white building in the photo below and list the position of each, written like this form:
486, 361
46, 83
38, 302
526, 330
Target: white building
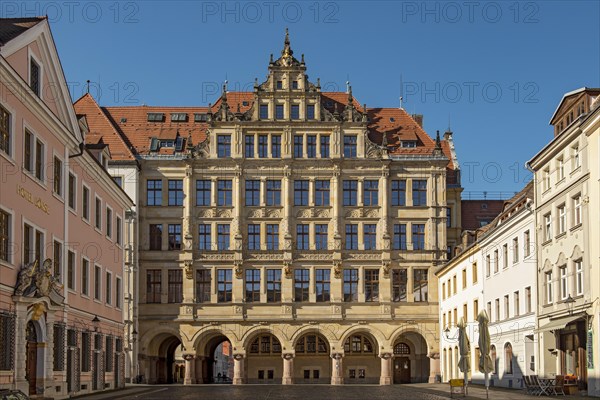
497, 271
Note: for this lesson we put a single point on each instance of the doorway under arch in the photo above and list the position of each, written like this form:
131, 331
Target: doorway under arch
166, 371
361, 362
217, 364
312, 363
410, 364
264, 362
32, 361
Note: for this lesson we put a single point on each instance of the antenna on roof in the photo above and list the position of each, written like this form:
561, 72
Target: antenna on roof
449, 129
88, 86
401, 92
347, 86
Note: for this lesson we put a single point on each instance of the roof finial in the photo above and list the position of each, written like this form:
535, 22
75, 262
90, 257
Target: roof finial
88, 86
287, 50
449, 129
438, 142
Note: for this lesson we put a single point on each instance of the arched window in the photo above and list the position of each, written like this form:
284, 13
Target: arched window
357, 344
445, 355
401, 348
494, 359
508, 359
265, 344
311, 344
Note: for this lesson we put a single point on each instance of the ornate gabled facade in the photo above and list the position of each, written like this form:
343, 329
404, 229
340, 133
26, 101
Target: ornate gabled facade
296, 224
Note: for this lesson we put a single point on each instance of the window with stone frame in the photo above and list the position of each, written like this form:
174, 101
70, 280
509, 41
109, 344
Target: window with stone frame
86, 351
275, 146
7, 338
349, 146
224, 193
203, 191
175, 192
419, 192
358, 344
398, 193
252, 285
322, 193
301, 284
174, 232
302, 237
301, 192
224, 285
325, 147
109, 354
371, 193
5, 235
371, 285
154, 192
263, 146
273, 192
5, 131
265, 344
311, 344
351, 236
311, 146
323, 285
350, 192
203, 282
175, 287
153, 285
155, 236
370, 236
350, 284
420, 285
273, 285
252, 196
399, 285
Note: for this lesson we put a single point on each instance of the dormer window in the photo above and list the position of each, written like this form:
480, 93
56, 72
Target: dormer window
34, 76
409, 143
156, 117
200, 117
178, 117
245, 103
167, 143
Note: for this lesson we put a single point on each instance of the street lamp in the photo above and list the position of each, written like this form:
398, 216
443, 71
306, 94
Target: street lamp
96, 323
570, 302
447, 332
134, 336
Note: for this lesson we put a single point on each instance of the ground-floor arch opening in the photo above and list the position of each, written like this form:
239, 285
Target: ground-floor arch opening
264, 362
411, 363
312, 362
214, 362
164, 360
361, 361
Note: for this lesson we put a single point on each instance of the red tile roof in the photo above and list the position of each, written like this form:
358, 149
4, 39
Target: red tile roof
101, 129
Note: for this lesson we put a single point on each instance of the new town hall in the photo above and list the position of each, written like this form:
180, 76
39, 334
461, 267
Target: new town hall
300, 226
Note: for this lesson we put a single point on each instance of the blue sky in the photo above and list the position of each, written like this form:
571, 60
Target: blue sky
496, 70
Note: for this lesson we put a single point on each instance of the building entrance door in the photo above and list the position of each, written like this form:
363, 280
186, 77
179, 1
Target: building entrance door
401, 370
31, 360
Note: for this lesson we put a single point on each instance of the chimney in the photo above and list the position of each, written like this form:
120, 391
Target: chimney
418, 119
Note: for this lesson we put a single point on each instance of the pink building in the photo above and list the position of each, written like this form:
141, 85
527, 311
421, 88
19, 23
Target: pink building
61, 230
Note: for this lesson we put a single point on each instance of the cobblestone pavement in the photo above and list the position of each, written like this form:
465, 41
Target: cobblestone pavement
305, 392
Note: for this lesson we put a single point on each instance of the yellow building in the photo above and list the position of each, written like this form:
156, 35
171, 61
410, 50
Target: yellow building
298, 225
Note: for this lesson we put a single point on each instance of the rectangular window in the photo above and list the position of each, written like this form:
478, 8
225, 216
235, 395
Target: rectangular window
399, 193
39, 160
489, 310
28, 151
419, 192
155, 234
560, 169
85, 203
174, 232
223, 146
325, 146
322, 188
249, 146
321, 237
302, 237
301, 284
350, 286
420, 285
515, 250
119, 231
57, 253
175, 192
349, 146
224, 193
322, 285
97, 282
108, 223
276, 146
272, 237
448, 217
224, 285
474, 272
464, 278
371, 285
263, 146
350, 193
71, 270
274, 193
516, 305
564, 282
57, 181
264, 111
547, 227
279, 111
118, 180
252, 192
527, 238
253, 236
370, 236
34, 77
528, 299
497, 310
86, 349
496, 261
98, 214
399, 236
154, 192
576, 210
273, 285
475, 309
546, 179
5, 236
506, 308
295, 111
153, 285
418, 236
85, 277
562, 219
579, 277
118, 292
549, 289
204, 237
576, 157
279, 84
371, 193
505, 256
399, 285
5, 134
310, 111
203, 286
203, 189
252, 285
351, 237
72, 195
298, 146
454, 284
311, 146
108, 288
301, 193
223, 237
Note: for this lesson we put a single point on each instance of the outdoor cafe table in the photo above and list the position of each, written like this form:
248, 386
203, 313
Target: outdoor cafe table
547, 386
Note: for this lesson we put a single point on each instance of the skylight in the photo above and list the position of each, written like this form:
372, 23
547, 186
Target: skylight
156, 117
178, 117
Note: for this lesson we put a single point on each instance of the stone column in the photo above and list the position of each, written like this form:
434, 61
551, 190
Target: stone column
49, 347
386, 369
198, 370
238, 369
288, 369
337, 373
189, 369
434, 367
21, 346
